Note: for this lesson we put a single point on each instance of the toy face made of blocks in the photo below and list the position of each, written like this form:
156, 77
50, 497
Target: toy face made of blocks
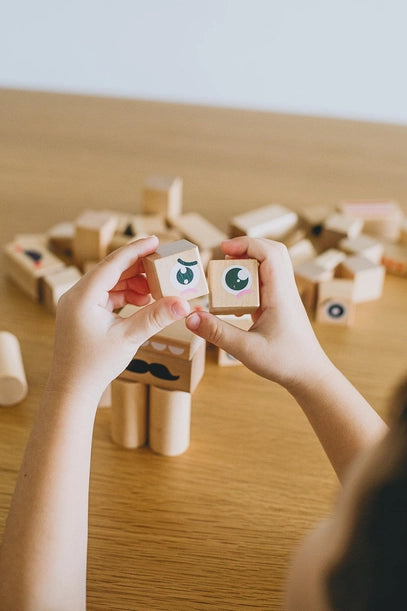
176, 269
233, 286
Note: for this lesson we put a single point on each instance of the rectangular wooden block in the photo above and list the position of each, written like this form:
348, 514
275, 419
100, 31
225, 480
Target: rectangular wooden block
308, 275
330, 259
301, 252
60, 240
176, 269
335, 302
94, 230
57, 283
338, 226
129, 411
380, 218
364, 246
368, 278
163, 195
28, 260
197, 229
273, 221
395, 259
233, 286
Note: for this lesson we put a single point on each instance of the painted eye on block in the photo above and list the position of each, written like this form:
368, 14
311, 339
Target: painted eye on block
185, 274
335, 310
237, 280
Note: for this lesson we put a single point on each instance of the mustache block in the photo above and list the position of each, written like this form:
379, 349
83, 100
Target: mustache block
156, 369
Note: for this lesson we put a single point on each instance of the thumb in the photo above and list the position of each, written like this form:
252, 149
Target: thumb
152, 318
218, 332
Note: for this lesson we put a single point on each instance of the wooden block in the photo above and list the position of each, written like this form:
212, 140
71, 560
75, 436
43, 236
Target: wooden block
176, 269
338, 226
129, 410
301, 252
234, 286
380, 218
163, 195
94, 230
335, 302
313, 217
273, 221
368, 278
27, 261
330, 259
198, 230
57, 283
223, 358
60, 240
174, 359
308, 275
13, 383
395, 259
364, 246
170, 421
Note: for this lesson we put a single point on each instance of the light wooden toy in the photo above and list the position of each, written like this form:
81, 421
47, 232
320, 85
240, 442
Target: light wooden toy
368, 278
13, 383
60, 240
163, 195
129, 412
27, 261
330, 259
338, 226
170, 421
197, 229
57, 283
176, 269
380, 218
308, 275
364, 246
395, 259
94, 231
273, 221
233, 286
335, 302
301, 252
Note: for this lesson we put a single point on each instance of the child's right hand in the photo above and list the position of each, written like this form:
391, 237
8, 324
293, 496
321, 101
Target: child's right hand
281, 344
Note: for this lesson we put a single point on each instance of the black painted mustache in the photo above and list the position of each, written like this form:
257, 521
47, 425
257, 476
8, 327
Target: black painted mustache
156, 369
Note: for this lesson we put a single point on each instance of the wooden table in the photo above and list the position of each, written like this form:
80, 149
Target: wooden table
215, 527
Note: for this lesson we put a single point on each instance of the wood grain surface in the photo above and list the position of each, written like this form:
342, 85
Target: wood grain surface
215, 527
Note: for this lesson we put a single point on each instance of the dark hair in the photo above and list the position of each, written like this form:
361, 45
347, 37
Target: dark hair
371, 574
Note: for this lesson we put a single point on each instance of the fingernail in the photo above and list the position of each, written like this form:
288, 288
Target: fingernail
181, 309
193, 321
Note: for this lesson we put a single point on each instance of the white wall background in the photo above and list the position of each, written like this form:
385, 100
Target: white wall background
344, 58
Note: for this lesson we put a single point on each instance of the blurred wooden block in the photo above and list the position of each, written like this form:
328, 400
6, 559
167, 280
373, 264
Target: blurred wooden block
28, 260
13, 382
308, 275
57, 283
197, 229
330, 259
60, 240
129, 411
338, 226
335, 302
364, 246
368, 278
170, 421
301, 252
395, 259
94, 231
176, 269
273, 221
174, 359
163, 195
382, 219
233, 286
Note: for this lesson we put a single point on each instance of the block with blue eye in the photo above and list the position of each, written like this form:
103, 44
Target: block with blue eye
233, 286
176, 269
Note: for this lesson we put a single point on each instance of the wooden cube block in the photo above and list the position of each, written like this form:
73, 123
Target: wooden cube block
301, 252
28, 260
330, 259
335, 302
176, 269
380, 218
273, 221
395, 259
233, 286
174, 359
338, 226
364, 246
94, 231
163, 195
313, 218
308, 275
170, 421
199, 230
129, 411
57, 283
60, 240
368, 278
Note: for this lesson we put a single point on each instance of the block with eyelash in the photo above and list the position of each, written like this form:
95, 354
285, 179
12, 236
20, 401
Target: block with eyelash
234, 286
176, 269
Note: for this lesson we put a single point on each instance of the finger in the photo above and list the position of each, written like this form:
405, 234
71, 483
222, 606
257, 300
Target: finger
136, 283
218, 332
156, 316
118, 299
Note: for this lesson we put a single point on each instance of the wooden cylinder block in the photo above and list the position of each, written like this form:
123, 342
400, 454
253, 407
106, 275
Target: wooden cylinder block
129, 413
170, 421
13, 383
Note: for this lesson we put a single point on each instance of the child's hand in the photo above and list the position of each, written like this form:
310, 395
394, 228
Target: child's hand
281, 344
93, 345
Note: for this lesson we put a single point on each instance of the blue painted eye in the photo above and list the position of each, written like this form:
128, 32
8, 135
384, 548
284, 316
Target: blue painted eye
185, 274
236, 278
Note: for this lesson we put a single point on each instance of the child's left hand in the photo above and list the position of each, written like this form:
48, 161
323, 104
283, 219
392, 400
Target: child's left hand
93, 345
